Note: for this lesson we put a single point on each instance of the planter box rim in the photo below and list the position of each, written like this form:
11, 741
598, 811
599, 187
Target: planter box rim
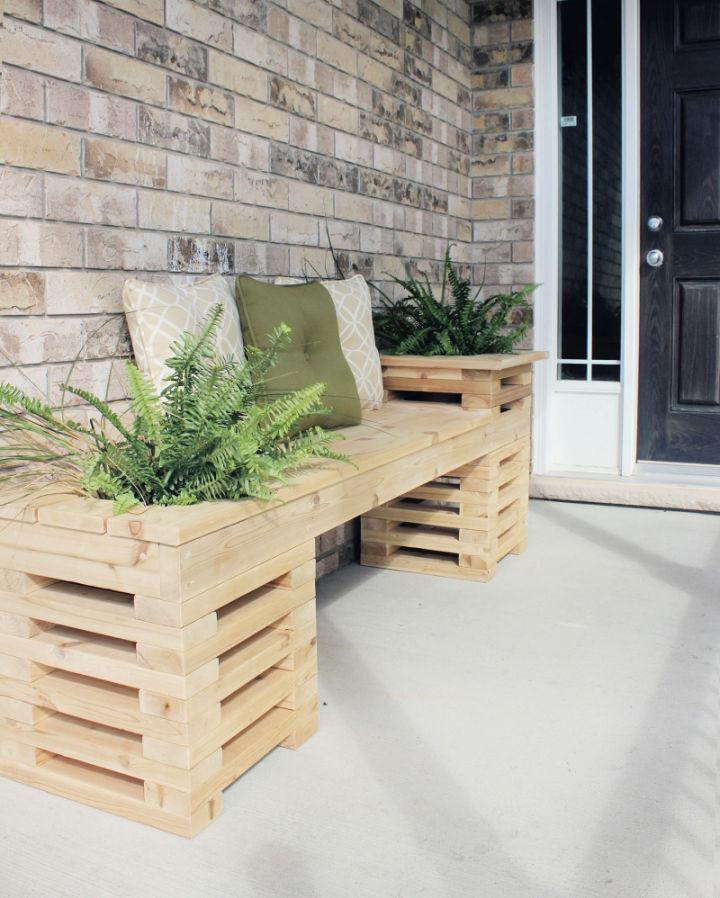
484, 362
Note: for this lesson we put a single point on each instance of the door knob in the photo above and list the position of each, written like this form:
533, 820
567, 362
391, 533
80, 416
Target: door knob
655, 258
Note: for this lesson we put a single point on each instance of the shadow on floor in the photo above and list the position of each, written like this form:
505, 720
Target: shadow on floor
660, 747
430, 818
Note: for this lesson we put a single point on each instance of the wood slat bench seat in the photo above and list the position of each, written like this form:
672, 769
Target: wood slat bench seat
148, 659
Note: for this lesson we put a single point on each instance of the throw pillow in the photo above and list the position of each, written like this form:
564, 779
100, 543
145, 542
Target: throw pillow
353, 307
157, 314
314, 353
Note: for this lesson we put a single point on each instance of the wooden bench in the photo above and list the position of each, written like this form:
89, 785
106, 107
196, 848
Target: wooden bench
147, 660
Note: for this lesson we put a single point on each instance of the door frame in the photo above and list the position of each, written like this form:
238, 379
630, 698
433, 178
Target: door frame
547, 191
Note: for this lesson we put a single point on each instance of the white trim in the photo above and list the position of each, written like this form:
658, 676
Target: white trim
590, 189
592, 388
547, 191
631, 236
670, 471
546, 222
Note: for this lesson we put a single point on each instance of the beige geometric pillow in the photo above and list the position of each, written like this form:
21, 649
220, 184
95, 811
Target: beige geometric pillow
353, 307
157, 314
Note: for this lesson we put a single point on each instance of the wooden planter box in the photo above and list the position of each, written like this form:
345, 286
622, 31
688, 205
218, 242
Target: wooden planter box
148, 698
464, 523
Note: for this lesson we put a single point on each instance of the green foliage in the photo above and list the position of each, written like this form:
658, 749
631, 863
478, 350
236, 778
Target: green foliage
208, 436
418, 323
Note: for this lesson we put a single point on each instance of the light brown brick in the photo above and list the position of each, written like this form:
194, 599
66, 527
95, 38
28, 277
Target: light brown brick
67, 199
337, 114
306, 260
21, 193
492, 231
523, 164
311, 199
105, 337
354, 149
302, 36
521, 75
32, 341
336, 53
126, 250
318, 138
42, 51
395, 8
256, 189
198, 23
238, 76
201, 254
162, 128
229, 145
31, 145
294, 229
160, 211
41, 244
523, 251
257, 118
505, 98
314, 11
491, 34
522, 30
24, 9
22, 293
151, 10
375, 72
458, 27
288, 95
487, 166
352, 207
22, 94
196, 176
490, 209
92, 22
235, 220
343, 234
302, 69
91, 291
259, 50
376, 240
345, 87
123, 162
201, 100
119, 74
87, 110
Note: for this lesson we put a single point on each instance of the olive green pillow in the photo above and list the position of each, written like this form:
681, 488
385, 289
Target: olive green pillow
314, 354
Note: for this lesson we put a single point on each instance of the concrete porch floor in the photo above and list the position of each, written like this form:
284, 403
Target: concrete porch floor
553, 734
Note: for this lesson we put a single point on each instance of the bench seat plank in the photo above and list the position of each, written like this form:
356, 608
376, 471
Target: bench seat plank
396, 431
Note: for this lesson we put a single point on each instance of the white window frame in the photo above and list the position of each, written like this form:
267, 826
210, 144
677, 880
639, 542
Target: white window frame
547, 240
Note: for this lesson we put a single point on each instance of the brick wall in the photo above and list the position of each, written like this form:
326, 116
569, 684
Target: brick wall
171, 138
502, 148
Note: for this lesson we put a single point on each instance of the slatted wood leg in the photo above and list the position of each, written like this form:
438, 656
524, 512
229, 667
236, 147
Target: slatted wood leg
370, 527
154, 705
460, 525
17, 717
301, 626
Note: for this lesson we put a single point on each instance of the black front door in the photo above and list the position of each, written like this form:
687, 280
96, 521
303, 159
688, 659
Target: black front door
679, 401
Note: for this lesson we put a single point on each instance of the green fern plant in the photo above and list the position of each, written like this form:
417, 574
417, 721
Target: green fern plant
419, 323
209, 435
